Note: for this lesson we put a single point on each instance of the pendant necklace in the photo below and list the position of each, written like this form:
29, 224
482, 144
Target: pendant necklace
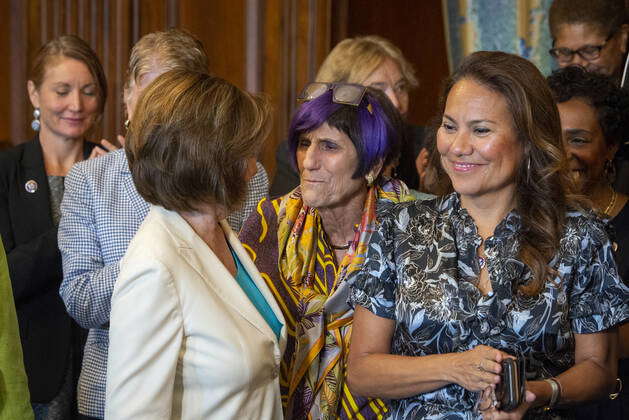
611, 204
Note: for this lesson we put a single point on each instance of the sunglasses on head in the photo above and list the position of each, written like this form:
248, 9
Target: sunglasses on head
342, 93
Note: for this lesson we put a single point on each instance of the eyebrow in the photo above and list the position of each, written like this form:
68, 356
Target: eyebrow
64, 84
577, 131
471, 122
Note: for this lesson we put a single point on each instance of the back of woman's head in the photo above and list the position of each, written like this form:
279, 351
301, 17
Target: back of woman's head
600, 92
70, 46
604, 16
354, 59
192, 139
542, 182
374, 126
166, 50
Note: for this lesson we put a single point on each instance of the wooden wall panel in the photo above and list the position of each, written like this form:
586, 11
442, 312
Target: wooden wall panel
270, 46
221, 27
416, 27
5, 60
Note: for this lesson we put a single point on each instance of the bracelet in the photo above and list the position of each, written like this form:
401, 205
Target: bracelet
555, 396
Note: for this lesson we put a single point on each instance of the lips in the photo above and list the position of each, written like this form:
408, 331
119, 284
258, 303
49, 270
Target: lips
73, 120
464, 166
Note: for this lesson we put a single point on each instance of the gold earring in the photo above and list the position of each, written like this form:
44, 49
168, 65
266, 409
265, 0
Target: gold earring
369, 178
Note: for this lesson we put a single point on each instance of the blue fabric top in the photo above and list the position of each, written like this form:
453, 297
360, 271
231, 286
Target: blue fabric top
255, 296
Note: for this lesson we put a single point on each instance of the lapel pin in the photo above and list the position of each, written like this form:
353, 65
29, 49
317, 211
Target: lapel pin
30, 186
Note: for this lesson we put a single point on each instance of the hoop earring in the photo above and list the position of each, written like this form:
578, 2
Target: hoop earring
126, 124
610, 171
35, 124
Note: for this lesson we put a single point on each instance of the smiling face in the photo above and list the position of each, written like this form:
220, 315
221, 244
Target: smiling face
388, 78
67, 98
477, 143
327, 159
579, 35
584, 142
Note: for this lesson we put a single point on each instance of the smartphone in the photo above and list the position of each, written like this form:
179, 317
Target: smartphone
511, 390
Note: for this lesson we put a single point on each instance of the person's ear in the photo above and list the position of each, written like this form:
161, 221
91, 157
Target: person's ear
372, 175
611, 151
33, 93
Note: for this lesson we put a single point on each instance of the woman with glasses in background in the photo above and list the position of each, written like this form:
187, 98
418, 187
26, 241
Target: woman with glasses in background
591, 34
307, 242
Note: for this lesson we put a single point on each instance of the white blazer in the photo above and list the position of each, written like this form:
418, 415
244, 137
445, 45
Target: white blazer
185, 340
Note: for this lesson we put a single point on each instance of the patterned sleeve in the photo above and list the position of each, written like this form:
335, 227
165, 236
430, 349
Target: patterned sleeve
598, 298
374, 285
257, 189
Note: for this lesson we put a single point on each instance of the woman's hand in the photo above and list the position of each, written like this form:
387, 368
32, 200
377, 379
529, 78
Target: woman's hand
495, 414
106, 147
421, 163
477, 369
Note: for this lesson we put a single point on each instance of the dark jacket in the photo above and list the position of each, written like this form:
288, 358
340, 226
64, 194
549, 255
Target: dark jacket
30, 241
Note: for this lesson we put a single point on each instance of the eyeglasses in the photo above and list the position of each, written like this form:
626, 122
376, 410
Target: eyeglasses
342, 93
587, 52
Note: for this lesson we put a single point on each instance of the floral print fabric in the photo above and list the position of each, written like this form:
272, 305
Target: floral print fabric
421, 271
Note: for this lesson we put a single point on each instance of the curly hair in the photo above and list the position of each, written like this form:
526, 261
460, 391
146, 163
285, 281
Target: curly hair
604, 15
600, 92
543, 192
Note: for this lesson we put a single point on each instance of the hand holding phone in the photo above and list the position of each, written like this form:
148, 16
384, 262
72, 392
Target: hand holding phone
511, 391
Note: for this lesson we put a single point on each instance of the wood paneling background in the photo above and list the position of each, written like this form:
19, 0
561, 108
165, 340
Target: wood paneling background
270, 46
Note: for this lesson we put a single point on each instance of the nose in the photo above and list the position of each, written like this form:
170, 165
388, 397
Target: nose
461, 145
76, 101
579, 61
394, 99
309, 157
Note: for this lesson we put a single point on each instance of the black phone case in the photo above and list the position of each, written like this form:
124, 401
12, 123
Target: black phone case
511, 390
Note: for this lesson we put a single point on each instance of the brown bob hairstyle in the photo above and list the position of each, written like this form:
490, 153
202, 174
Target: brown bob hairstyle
191, 140
70, 46
543, 193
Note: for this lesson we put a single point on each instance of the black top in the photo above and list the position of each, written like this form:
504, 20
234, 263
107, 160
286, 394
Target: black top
621, 227
30, 240
286, 177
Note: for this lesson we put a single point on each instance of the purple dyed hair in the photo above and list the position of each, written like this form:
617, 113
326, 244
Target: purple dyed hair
377, 135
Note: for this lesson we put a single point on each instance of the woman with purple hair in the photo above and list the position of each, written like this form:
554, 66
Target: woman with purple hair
306, 243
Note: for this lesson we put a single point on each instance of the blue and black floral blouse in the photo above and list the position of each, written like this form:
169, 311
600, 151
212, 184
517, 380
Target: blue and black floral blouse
421, 271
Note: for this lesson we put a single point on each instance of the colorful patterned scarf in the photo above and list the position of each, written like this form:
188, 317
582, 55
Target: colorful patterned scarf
323, 327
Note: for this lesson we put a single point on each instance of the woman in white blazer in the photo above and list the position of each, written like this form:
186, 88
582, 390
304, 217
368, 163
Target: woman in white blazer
194, 331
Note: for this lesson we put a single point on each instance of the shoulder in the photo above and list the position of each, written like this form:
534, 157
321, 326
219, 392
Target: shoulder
262, 224
154, 238
100, 167
11, 157
98, 175
587, 224
416, 211
584, 233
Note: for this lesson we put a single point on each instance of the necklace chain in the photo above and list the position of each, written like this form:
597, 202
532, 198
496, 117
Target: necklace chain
611, 204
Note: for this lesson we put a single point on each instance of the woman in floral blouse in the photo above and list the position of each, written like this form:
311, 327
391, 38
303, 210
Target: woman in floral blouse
507, 265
